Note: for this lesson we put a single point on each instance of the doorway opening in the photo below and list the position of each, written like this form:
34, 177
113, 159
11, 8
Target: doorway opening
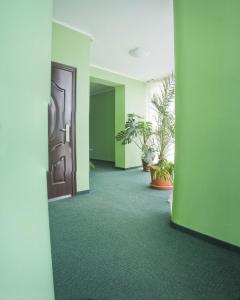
107, 118
102, 122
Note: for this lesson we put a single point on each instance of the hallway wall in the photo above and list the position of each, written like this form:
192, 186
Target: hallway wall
102, 126
25, 260
207, 194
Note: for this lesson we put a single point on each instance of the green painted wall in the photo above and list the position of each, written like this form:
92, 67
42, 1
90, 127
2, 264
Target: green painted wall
102, 126
207, 194
72, 48
119, 125
25, 260
130, 97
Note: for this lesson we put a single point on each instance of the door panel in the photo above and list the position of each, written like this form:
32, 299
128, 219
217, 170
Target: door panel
61, 132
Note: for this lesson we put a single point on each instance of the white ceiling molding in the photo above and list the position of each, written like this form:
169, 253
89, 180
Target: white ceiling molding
89, 35
115, 72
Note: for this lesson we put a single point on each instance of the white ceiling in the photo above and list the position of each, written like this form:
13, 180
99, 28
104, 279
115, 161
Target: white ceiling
118, 26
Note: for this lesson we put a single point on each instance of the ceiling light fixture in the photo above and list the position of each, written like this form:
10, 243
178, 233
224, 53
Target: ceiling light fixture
139, 52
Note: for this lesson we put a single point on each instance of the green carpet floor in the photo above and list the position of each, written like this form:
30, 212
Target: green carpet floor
115, 243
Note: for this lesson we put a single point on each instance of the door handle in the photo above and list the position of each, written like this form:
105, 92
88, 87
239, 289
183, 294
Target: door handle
67, 131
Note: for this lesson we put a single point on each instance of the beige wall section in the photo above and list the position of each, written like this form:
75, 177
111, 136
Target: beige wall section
72, 48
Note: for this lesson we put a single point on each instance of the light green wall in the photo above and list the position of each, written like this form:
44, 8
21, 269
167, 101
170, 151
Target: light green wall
207, 194
119, 125
25, 260
72, 48
102, 126
130, 97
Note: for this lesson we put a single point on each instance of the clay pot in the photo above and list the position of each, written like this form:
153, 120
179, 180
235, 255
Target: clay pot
160, 183
146, 166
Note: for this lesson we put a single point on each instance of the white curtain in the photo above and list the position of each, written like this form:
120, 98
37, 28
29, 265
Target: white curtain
153, 88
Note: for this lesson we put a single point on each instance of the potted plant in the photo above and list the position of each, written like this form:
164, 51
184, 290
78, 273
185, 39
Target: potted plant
140, 133
162, 173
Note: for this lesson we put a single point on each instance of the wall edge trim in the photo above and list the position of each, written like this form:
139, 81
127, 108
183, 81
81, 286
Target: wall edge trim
116, 72
206, 238
87, 34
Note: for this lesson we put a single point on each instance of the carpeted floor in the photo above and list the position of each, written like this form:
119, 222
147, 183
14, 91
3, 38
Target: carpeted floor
115, 243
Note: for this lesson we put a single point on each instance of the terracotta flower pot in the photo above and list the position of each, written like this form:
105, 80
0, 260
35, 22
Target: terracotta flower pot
160, 183
146, 166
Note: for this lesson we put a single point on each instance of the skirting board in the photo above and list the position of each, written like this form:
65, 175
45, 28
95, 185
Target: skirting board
68, 196
102, 160
113, 162
206, 238
59, 198
131, 168
82, 192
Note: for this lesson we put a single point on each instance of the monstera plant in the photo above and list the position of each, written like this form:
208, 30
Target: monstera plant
139, 132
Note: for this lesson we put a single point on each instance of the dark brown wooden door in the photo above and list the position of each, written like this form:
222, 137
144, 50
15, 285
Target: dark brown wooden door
61, 132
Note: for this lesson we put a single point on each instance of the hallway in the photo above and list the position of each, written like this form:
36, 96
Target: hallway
115, 243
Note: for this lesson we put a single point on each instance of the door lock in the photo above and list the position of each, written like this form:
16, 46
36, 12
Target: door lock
67, 131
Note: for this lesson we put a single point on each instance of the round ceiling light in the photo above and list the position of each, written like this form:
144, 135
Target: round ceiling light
139, 52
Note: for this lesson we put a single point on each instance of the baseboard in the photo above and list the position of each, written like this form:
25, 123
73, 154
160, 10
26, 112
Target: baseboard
130, 168
102, 160
206, 238
82, 192
113, 162
59, 198
68, 196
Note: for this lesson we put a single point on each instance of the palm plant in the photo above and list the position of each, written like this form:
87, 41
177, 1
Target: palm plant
162, 173
164, 170
162, 103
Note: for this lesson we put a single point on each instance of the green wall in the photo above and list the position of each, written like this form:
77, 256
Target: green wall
207, 194
120, 150
72, 48
102, 126
25, 260
130, 96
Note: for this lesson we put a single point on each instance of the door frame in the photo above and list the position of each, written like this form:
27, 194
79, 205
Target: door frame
73, 70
